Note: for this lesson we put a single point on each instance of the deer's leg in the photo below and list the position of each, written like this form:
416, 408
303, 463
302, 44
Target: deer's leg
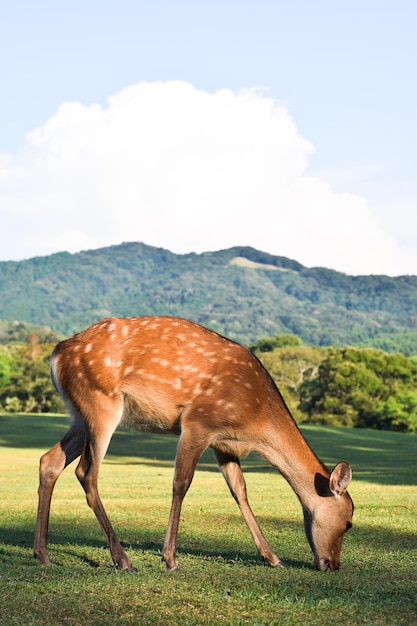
87, 473
51, 465
232, 472
190, 448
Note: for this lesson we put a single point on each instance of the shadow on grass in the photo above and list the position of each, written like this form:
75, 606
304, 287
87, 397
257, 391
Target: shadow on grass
64, 540
67, 536
376, 456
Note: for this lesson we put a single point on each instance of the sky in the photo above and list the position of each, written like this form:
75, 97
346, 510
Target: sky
195, 126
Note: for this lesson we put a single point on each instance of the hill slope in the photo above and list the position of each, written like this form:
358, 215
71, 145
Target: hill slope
241, 292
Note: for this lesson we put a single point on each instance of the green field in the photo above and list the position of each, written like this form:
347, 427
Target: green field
222, 580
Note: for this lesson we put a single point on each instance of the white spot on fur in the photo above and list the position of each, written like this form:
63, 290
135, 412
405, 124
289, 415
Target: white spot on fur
107, 361
87, 348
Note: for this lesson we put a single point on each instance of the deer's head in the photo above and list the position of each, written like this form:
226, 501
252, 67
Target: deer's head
330, 517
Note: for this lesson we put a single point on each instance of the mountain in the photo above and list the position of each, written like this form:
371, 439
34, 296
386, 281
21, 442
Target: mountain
241, 292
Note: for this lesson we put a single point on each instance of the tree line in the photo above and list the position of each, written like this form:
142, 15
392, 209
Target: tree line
356, 387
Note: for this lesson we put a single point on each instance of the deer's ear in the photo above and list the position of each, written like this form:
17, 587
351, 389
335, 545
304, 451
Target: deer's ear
340, 478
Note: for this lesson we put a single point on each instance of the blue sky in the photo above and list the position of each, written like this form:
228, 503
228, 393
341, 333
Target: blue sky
330, 101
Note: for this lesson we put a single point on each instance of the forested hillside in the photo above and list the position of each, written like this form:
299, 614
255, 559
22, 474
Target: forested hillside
241, 292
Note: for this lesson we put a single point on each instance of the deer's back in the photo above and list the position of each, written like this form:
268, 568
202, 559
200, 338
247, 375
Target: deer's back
158, 367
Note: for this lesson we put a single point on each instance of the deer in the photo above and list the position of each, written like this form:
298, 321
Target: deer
164, 374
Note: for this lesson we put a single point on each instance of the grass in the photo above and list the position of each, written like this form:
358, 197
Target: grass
222, 580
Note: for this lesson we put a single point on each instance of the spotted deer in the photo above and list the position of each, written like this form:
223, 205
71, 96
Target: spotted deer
170, 375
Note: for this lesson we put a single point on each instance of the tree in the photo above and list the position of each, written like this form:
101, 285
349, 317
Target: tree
28, 386
289, 366
268, 344
362, 387
6, 363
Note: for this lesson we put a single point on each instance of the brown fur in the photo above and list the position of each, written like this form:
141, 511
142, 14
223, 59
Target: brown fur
164, 374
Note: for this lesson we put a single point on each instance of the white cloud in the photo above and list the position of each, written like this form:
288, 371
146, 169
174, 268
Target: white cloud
188, 170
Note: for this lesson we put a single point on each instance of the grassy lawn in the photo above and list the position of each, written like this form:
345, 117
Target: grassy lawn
222, 580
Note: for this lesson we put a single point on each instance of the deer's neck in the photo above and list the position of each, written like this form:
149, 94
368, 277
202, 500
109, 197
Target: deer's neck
290, 453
